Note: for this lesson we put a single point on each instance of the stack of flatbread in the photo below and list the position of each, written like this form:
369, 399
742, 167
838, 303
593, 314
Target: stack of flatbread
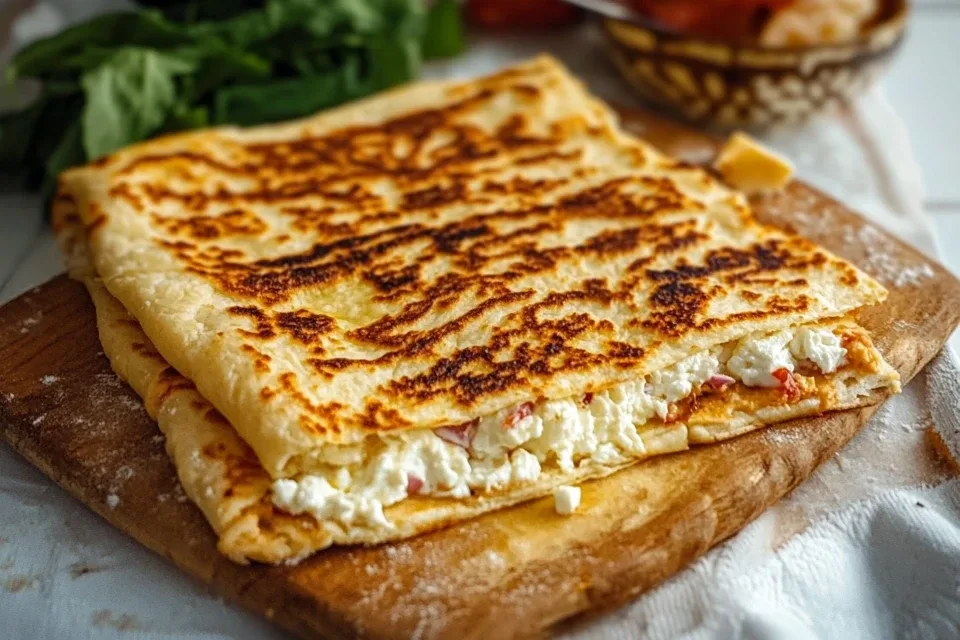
441, 301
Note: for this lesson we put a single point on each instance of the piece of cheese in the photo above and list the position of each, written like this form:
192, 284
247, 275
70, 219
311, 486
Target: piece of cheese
566, 499
747, 165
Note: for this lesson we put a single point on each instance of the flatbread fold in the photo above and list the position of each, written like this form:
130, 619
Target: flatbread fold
435, 255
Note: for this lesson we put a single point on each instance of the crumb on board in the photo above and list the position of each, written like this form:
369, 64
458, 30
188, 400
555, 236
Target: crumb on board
113, 500
20, 583
80, 569
48, 380
121, 622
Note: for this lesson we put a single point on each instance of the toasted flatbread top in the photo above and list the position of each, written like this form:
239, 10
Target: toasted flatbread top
431, 255
223, 476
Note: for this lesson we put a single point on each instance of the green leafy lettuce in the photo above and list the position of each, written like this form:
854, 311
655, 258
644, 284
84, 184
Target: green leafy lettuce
123, 77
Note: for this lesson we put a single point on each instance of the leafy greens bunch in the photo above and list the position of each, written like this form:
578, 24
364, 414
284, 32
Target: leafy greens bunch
123, 77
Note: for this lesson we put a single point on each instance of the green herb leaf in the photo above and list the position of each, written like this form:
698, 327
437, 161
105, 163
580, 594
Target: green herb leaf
285, 99
128, 98
183, 117
443, 37
393, 61
122, 77
144, 29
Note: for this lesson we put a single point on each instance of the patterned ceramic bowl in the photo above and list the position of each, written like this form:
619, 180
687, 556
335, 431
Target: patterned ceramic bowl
741, 86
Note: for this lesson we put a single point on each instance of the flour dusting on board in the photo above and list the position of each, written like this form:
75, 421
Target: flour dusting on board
881, 258
32, 321
420, 589
49, 380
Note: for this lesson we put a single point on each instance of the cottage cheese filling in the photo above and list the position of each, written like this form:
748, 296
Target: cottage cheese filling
512, 446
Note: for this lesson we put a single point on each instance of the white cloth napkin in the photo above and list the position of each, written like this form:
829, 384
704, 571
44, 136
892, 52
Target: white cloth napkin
868, 547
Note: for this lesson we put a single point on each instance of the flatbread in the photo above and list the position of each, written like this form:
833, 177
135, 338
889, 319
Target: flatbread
418, 260
431, 255
221, 474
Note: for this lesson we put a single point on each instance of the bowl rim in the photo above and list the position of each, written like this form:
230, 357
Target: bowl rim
898, 11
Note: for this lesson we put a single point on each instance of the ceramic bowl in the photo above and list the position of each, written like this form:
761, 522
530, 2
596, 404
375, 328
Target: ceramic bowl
729, 86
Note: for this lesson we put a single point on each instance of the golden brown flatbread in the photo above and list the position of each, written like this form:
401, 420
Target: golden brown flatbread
376, 295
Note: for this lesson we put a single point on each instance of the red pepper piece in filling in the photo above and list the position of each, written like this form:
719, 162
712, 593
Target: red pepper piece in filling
788, 383
519, 413
414, 484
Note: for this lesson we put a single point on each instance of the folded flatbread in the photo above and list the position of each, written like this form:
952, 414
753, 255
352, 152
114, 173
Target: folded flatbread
444, 300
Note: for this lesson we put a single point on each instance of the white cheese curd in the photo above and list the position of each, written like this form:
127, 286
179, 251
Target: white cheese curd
566, 499
820, 346
680, 380
512, 446
359, 492
755, 359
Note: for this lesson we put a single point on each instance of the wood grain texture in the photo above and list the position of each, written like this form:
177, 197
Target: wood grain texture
517, 573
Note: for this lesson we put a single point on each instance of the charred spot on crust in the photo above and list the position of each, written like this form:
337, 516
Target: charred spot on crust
303, 325
236, 222
678, 306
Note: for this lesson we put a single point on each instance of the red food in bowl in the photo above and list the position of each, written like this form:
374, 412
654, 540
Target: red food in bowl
524, 14
727, 20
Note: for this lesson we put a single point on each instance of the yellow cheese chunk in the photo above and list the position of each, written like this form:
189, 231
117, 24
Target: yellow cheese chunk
747, 165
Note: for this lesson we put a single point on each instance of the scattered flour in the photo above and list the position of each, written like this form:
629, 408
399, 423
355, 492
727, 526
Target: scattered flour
912, 275
113, 500
38, 420
881, 259
179, 494
900, 325
131, 404
48, 380
26, 323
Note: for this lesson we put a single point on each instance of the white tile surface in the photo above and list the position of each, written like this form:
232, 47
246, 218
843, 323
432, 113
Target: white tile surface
924, 86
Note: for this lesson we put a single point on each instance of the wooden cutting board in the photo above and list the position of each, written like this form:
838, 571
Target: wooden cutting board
516, 573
